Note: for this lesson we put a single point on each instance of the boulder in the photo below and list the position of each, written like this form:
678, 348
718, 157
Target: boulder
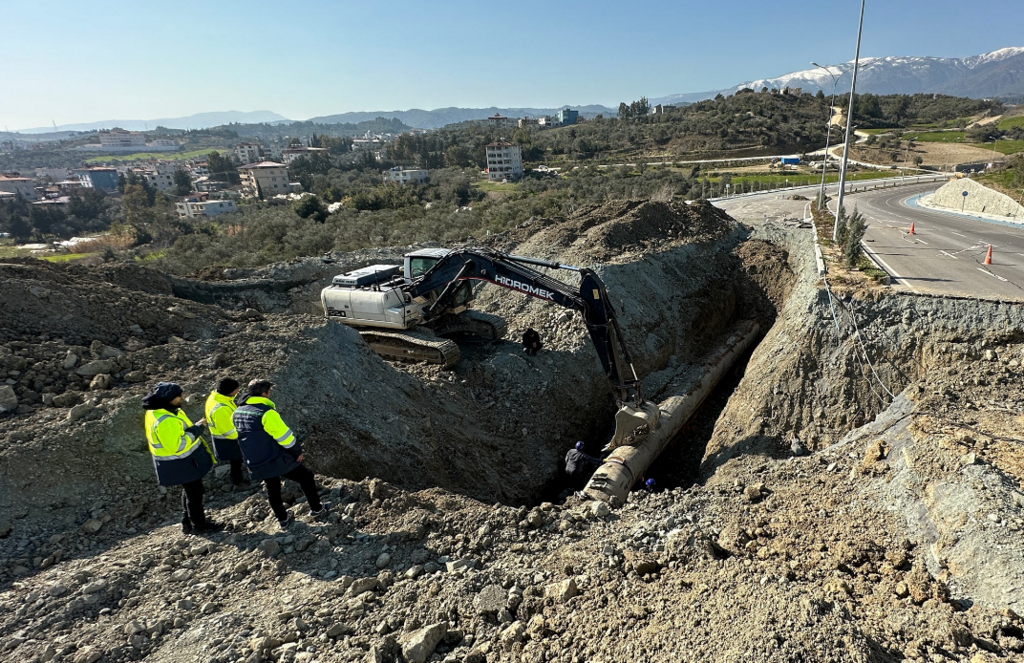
490, 600
419, 645
8, 399
561, 591
97, 367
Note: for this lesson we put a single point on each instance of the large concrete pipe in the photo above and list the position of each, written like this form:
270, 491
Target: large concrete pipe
613, 480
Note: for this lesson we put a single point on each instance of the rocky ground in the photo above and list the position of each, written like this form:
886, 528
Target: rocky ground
890, 532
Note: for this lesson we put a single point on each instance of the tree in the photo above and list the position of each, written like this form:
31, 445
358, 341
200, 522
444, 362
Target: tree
918, 159
624, 112
135, 205
87, 204
182, 182
855, 228
310, 206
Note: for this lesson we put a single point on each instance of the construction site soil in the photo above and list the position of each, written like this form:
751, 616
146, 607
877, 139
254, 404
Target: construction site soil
888, 529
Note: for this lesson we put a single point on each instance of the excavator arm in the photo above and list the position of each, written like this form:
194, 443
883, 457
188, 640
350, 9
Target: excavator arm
515, 273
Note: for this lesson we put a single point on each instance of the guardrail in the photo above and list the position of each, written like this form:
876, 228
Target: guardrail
851, 186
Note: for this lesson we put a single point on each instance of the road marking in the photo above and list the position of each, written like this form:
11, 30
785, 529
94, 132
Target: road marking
922, 241
956, 233
949, 254
991, 274
892, 272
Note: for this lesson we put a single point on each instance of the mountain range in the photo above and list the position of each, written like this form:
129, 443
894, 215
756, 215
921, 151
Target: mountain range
996, 74
434, 119
197, 121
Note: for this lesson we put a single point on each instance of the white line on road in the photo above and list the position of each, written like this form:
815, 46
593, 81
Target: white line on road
991, 274
956, 233
922, 241
892, 272
949, 254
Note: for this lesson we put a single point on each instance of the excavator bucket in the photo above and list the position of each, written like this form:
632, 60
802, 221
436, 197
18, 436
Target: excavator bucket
633, 424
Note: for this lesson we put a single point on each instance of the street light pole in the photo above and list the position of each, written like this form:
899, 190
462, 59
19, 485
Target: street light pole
849, 123
828, 130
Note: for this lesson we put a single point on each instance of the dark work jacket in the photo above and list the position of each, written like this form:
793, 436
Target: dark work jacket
264, 457
577, 462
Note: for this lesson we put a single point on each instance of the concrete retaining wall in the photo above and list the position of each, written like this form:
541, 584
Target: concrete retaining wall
980, 199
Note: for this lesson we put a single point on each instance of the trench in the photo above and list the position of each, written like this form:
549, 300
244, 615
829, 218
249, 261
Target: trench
679, 464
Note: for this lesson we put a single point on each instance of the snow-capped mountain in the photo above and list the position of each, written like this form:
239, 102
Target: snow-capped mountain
996, 74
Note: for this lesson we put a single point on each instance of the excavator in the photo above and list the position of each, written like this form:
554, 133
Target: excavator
406, 314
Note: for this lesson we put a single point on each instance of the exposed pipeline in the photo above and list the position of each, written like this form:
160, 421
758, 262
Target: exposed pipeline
626, 464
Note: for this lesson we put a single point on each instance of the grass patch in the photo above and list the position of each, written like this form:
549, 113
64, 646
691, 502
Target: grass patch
1011, 122
487, 185
936, 136
1004, 146
67, 257
167, 156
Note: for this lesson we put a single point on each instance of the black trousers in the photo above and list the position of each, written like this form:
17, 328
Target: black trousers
236, 471
306, 481
192, 504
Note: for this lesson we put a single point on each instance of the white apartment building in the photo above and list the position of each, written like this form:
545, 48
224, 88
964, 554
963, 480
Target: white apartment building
290, 154
405, 175
248, 152
191, 209
266, 177
119, 139
504, 162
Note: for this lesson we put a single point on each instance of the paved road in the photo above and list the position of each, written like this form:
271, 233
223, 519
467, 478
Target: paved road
947, 252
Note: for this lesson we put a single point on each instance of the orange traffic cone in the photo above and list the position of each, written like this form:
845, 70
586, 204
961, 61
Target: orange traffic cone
911, 228
988, 256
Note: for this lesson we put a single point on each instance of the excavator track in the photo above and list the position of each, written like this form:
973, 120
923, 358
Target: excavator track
411, 346
483, 326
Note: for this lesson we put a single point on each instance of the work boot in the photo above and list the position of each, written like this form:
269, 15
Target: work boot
211, 527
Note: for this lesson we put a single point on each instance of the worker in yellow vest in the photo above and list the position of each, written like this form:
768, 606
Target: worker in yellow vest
220, 405
180, 456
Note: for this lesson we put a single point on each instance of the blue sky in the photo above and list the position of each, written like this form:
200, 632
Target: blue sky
82, 62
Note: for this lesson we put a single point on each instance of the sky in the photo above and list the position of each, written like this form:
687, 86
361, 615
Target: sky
69, 62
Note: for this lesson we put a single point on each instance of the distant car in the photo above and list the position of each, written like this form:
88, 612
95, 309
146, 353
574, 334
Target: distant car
892, 167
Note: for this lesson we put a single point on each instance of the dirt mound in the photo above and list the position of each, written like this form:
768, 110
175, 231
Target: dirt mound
619, 231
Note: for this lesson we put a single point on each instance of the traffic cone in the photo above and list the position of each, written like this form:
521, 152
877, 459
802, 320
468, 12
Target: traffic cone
911, 228
988, 256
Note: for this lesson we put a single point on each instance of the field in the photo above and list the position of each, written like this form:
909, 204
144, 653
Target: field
1010, 122
936, 136
169, 156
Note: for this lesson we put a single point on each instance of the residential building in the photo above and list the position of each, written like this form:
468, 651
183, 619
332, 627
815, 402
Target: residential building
15, 184
528, 122
547, 121
504, 161
248, 152
98, 178
53, 174
159, 175
792, 91
499, 120
405, 175
119, 138
164, 143
290, 154
195, 207
265, 178
197, 168
567, 116
661, 109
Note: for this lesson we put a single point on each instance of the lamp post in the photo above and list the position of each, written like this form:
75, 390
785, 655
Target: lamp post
828, 130
849, 124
